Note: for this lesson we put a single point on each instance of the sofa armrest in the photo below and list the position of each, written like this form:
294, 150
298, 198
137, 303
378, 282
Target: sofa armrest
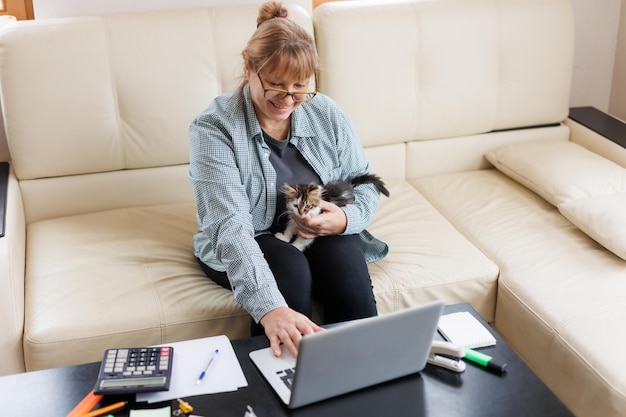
598, 132
12, 267
4, 186
601, 123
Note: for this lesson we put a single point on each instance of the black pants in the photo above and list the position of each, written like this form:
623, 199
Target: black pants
332, 269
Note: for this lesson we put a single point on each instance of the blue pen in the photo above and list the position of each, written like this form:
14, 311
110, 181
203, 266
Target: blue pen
206, 369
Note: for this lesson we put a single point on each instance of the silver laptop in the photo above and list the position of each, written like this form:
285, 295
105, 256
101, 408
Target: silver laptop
352, 356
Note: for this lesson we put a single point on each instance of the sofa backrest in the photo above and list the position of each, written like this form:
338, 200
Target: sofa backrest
114, 94
96, 109
446, 68
47, 9
118, 90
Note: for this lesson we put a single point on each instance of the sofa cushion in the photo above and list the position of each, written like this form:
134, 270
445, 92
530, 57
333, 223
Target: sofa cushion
428, 258
587, 188
602, 218
119, 278
128, 277
560, 295
559, 171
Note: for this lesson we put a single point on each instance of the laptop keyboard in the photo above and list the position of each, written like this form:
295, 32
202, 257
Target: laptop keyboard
286, 376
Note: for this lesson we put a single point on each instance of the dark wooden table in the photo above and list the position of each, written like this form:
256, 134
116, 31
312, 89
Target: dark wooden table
432, 392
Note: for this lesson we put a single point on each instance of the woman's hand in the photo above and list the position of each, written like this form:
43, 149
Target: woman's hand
287, 326
331, 221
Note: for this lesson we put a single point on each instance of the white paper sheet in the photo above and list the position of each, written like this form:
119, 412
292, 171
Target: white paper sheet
190, 359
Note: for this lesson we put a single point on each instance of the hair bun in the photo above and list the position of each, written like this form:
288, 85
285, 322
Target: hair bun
270, 10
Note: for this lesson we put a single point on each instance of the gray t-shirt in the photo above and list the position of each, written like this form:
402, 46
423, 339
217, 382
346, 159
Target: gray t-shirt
291, 168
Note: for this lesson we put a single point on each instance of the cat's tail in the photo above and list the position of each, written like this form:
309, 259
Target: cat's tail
370, 179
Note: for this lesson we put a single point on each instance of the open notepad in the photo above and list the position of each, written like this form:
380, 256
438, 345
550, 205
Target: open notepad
465, 330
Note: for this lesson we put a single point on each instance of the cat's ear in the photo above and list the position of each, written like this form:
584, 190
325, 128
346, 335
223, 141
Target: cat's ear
315, 190
289, 191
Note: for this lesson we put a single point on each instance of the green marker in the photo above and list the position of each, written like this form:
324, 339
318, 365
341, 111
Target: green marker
485, 360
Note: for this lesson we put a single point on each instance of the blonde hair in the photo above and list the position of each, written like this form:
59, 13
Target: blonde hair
280, 46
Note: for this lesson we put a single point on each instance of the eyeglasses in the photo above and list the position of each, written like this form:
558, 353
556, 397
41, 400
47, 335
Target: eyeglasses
278, 94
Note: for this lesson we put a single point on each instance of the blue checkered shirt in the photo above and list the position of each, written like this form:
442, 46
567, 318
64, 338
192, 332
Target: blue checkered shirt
235, 191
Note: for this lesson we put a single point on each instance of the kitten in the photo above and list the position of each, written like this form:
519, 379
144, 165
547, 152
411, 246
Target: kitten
304, 200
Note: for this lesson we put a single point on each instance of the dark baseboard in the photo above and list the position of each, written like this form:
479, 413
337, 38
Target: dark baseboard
601, 123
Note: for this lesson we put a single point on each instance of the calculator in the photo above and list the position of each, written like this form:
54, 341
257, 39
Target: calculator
133, 370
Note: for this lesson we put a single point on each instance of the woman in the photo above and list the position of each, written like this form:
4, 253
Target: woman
276, 129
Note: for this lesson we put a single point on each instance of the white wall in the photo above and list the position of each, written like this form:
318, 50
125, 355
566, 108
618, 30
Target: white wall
617, 106
597, 26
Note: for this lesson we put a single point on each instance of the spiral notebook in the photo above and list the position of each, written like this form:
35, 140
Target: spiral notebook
465, 330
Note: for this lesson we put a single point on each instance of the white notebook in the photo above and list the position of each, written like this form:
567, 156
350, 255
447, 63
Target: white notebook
465, 330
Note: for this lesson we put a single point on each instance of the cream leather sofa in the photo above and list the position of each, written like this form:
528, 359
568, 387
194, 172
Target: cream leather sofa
97, 248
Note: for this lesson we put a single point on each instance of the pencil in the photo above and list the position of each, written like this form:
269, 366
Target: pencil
85, 405
100, 411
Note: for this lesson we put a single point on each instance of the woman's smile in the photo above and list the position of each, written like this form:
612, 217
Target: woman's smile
280, 106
